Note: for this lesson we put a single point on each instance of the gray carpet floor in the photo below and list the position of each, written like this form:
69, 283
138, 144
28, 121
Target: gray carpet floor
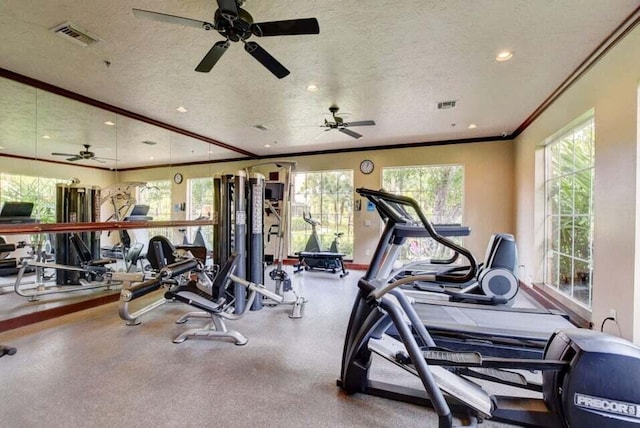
89, 369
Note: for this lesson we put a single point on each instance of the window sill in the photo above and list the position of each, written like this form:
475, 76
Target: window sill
550, 299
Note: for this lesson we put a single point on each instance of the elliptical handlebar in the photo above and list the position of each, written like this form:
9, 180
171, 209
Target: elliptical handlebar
391, 208
307, 217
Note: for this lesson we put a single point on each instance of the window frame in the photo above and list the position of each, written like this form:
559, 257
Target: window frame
568, 299
39, 198
346, 241
418, 248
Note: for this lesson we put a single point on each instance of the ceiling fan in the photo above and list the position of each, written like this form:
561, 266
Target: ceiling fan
236, 25
342, 126
84, 155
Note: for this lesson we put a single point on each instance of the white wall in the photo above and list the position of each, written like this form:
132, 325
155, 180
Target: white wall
611, 89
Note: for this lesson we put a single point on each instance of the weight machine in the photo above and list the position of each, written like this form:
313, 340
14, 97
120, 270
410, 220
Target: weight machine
279, 204
238, 228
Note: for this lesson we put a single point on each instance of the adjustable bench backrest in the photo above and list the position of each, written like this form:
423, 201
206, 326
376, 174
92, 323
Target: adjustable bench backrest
81, 248
160, 252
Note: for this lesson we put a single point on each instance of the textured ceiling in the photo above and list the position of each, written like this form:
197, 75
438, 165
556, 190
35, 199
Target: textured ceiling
389, 61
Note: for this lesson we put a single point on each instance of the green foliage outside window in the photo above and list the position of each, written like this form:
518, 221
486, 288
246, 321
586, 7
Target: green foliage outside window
439, 190
328, 197
157, 194
39, 190
569, 212
201, 205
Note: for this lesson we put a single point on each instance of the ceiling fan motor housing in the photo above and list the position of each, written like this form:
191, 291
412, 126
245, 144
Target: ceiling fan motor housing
236, 30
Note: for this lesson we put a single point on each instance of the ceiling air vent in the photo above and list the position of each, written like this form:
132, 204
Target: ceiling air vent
444, 105
74, 34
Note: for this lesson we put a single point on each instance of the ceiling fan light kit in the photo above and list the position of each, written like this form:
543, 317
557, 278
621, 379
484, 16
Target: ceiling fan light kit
236, 25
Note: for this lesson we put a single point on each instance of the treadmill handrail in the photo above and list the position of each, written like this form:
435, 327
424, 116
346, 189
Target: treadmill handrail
383, 199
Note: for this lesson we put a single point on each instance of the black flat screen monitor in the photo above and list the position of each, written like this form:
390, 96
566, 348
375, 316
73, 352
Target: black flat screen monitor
274, 191
16, 209
139, 210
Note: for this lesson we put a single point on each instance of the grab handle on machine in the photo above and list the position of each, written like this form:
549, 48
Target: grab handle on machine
393, 206
266, 293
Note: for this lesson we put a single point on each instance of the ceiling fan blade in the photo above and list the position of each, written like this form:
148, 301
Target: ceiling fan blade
172, 19
272, 64
212, 57
75, 158
317, 137
97, 160
63, 154
104, 159
360, 123
228, 9
350, 133
289, 27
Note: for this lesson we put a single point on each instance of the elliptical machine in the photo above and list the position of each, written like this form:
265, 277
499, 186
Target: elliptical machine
588, 379
314, 258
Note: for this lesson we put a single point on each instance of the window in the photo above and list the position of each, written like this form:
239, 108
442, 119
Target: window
157, 194
328, 197
200, 205
568, 243
39, 190
439, 190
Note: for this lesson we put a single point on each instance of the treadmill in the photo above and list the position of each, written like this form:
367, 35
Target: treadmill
500, 331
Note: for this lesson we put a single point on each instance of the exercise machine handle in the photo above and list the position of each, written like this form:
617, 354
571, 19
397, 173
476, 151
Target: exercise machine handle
266, 293
258, 288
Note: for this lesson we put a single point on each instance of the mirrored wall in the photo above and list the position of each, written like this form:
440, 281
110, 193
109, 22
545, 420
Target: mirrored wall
46, 136
46, 139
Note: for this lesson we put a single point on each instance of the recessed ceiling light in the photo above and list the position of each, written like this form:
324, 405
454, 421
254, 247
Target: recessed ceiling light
267, 145
2, 147
181, 109
312, 88
46, 137
149, 143
108, 122
473, 126
210, 152
504, 56
151, 157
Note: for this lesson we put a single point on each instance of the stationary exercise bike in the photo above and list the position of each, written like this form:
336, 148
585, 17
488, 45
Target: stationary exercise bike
314, 258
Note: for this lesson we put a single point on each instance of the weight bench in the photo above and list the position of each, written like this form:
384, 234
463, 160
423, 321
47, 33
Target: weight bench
323, 260
216, 303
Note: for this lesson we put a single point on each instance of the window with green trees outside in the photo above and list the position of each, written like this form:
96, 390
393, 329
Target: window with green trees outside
328, 197
200, 205
157, 194
39, 190
439, 190
569, 170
